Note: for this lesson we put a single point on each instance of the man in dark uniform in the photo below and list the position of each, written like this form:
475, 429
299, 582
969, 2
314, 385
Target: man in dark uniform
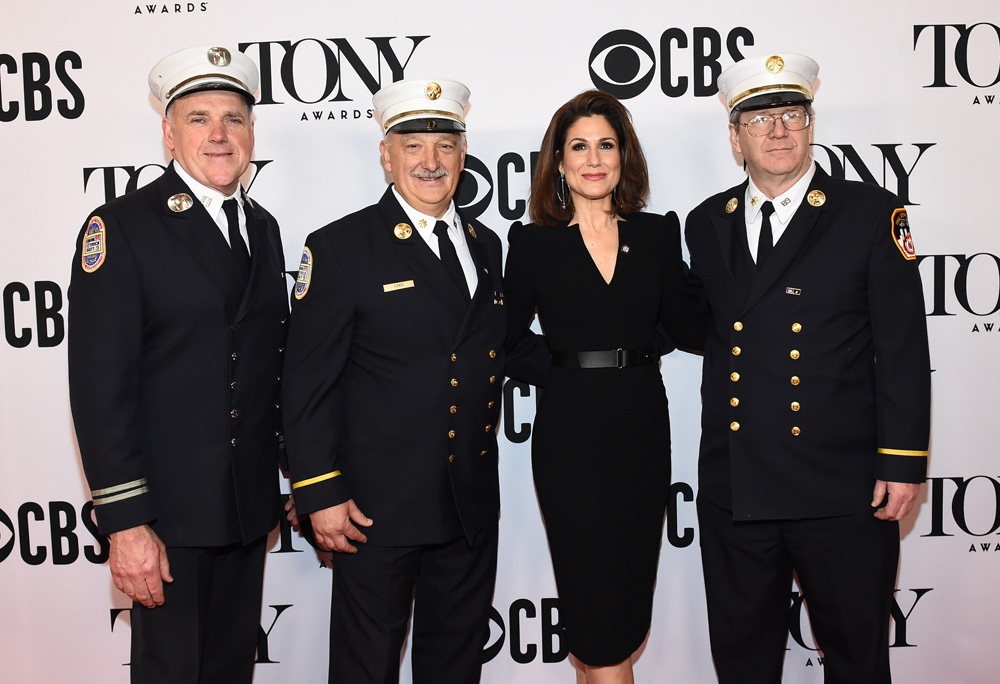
177, 310
816, 390
391, 392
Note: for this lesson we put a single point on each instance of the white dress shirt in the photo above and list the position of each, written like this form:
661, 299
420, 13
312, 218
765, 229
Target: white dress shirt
785, 205
212, 201
424, 225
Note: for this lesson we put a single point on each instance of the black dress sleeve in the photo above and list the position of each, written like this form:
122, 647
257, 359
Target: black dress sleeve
528, 356
680, 313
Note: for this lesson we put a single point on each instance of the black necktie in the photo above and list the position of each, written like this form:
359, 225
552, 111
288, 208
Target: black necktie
766, 242
241, 254
449, 257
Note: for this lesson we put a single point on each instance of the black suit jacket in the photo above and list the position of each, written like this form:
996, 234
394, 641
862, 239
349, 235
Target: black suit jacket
816, 374
173, 369
392, 381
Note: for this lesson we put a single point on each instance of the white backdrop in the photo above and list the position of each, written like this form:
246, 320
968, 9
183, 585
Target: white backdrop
906, 101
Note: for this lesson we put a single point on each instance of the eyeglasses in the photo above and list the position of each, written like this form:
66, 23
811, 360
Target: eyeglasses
763, 124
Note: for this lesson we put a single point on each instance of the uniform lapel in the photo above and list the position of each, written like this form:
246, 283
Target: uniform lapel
483, 293
202, 238
730, 229
260, 255
411, 249
791, 241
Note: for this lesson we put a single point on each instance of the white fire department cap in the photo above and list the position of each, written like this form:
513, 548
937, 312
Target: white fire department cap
422, 105
768, 80
203, 68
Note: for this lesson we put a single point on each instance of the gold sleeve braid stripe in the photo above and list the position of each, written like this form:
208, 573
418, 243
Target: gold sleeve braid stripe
902, 452
314, 480
119, 492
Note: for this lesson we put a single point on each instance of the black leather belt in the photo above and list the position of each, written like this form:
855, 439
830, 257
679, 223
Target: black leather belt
612, 358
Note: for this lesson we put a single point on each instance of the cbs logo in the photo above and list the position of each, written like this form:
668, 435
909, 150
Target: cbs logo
623, 63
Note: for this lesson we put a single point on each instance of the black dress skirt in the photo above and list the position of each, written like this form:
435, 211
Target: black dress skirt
600, 449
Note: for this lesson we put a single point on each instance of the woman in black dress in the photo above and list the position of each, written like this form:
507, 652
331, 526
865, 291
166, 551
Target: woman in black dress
601, 275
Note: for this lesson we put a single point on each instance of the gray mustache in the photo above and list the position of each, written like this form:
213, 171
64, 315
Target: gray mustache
429, 175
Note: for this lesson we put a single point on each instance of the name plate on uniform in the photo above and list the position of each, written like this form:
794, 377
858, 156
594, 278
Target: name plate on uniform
401, 285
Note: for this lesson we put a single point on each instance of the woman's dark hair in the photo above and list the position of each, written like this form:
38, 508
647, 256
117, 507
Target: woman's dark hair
633, 187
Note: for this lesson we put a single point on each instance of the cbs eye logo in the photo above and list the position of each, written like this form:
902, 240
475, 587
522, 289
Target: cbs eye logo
623, 63
475, 188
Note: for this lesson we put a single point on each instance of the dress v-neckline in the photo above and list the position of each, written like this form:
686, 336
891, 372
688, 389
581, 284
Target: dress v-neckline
618, 246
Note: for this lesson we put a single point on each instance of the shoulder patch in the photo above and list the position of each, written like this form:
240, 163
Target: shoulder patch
95, 245
305, 274
901, 235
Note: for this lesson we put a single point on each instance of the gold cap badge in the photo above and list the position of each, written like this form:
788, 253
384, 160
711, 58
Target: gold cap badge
816, 198
402, 231
774, 64
432, 91
180, 202
731, 205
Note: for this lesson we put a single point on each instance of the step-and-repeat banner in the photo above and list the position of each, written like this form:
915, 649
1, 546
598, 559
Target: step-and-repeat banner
909, 99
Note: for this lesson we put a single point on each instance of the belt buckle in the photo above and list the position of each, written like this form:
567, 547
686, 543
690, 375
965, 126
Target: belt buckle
620, 358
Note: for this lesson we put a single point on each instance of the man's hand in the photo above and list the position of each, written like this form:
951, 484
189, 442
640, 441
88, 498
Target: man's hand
139, 566
335, 525
291, 513
901, 498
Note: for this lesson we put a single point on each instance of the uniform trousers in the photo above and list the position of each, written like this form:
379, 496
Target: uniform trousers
450, 587
206, 630
846, 569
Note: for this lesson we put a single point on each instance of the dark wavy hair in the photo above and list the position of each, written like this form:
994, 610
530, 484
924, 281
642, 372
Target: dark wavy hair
633, 187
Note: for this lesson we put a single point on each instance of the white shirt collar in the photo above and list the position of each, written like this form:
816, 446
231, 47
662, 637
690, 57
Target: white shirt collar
211, 199
786, 203
424, 224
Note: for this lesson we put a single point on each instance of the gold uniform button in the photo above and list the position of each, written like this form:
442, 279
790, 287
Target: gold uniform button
483, 453
451, 458
489, 427
796, 431
493, 353
451, 434
493, 379
796, 406
734, 426
735, 377
454, 357
737, 351
491, 404
454, 382
795, 380
453, 409
794, 353
737, 326
734, 401
796, 327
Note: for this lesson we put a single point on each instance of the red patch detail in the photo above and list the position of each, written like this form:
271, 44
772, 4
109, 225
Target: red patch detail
901, 235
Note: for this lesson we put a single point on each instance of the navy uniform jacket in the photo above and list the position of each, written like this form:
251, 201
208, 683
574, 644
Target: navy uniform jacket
173, 369
816, 376
392, 381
